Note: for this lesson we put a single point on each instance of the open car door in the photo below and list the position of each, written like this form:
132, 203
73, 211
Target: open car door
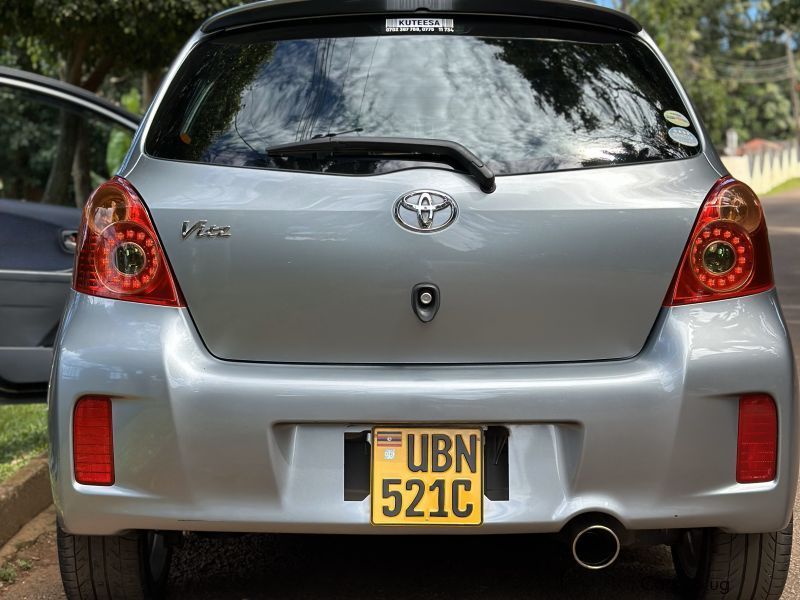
57, 142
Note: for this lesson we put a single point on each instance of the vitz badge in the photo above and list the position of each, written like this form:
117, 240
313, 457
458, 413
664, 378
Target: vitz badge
201, 230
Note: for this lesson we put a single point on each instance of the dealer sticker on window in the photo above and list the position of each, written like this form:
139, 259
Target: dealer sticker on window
683, 136
421, 25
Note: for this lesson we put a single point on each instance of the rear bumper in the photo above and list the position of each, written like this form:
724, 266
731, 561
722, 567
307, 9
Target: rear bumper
207, 445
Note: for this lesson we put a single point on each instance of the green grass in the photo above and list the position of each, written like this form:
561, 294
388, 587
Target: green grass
8, 574
23, 435
8, 571
789, 186
24, 564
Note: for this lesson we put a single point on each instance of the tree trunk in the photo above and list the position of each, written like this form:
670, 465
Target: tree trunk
150, 82
98, 75
57, 189
17, 186
73, 68
81, 169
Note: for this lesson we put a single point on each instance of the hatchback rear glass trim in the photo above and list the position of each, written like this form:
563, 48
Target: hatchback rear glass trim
559, 10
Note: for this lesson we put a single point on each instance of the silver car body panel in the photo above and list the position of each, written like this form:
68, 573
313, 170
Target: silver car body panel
209, 445
318, 271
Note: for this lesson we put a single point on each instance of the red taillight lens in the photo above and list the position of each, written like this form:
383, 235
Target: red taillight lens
728, 253
92, 441
118, 254
757, 457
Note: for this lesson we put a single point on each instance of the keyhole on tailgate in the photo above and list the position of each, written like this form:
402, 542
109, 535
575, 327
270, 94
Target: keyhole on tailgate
425, 299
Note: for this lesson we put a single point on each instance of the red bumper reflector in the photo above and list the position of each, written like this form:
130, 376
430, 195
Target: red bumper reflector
93, 446
758, 439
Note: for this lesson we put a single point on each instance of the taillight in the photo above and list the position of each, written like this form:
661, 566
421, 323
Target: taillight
757, 455
118, 252
728, 253
92, 441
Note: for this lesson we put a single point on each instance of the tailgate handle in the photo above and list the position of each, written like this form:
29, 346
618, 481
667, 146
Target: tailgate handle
425, 300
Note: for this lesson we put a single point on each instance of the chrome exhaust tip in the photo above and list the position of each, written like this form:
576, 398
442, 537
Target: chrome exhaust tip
595, 547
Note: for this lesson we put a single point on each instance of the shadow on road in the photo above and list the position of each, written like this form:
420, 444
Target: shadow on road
485, 567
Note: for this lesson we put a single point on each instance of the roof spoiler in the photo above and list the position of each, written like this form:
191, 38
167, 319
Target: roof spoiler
574, 11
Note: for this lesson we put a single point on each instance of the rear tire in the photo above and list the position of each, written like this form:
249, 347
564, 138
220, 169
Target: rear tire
133, 566
714, 565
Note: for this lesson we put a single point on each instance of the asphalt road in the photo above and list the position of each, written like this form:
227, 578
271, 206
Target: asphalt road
311, 567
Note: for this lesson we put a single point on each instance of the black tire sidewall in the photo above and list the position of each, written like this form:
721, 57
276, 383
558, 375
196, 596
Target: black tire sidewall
693, 585
154, 587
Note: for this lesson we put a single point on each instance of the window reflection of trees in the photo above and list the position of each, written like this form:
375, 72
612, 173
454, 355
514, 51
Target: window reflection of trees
521, 105
613, 92
207, 131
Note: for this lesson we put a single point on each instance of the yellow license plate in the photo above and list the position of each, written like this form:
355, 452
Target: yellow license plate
423, 476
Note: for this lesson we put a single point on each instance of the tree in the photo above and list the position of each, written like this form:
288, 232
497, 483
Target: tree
88, 40
721, 50
91, 37
787, 12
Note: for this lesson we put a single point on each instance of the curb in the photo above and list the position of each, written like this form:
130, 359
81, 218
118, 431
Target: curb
23, 496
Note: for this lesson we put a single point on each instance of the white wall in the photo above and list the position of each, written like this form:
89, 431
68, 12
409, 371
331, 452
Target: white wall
766, 170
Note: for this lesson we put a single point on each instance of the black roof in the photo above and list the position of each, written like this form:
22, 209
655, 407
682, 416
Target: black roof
72, 90
575, 11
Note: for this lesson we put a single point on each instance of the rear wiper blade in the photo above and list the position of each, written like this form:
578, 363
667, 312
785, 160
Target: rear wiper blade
394, 147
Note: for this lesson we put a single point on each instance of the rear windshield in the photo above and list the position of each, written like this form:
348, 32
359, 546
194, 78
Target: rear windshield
524, 98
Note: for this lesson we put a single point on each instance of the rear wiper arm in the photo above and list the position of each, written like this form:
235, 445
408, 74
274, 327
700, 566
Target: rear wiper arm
339, 133
413, 148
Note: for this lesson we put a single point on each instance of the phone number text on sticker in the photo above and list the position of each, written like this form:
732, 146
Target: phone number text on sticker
420, 25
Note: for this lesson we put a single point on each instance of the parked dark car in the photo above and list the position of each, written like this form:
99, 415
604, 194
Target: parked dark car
54, 148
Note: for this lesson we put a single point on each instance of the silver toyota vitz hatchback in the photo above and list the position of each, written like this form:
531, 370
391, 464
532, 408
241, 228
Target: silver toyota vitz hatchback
424, 267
